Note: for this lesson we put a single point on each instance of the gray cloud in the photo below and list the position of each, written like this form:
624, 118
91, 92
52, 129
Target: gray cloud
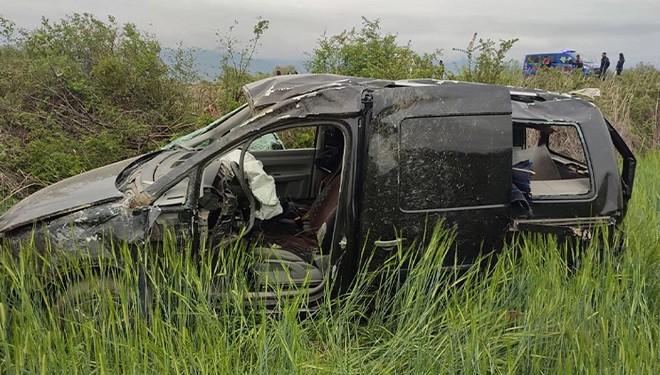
589, 26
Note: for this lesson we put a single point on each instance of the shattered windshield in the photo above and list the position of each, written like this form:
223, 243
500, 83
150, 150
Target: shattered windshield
203, 137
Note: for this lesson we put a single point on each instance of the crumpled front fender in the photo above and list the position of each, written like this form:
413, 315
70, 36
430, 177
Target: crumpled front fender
93, 232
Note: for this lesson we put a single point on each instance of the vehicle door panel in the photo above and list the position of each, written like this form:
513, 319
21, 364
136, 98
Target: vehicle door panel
291, 169
461, 177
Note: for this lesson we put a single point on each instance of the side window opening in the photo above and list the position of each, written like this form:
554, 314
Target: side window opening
566, 59
289, 139
297, 138
550, 161
566, 142
266, 142
292, 198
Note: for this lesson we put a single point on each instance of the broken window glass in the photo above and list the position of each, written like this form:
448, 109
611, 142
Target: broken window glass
557, 158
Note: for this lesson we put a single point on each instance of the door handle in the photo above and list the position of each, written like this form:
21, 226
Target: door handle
389, 244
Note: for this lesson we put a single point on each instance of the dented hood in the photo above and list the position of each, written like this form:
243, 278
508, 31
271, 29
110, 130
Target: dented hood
84, 190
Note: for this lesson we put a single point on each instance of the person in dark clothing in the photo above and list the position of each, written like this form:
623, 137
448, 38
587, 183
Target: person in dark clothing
604, 64
546, 62
619, 64
579, 63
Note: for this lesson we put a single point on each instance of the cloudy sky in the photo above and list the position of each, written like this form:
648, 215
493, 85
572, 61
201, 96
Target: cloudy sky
589, 26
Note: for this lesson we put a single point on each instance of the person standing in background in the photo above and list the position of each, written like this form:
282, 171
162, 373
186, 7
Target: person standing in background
619, 64
604, 64
546, 61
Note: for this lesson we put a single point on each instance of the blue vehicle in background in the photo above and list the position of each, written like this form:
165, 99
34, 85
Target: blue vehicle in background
565, 60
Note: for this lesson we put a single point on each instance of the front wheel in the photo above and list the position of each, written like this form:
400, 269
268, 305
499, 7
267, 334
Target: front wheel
101, 299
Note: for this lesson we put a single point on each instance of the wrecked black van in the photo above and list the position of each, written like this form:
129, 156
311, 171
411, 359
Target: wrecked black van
386, 158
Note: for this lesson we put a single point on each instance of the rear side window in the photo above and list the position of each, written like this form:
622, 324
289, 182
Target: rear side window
558, 159
451, 162
566, 141
563, 141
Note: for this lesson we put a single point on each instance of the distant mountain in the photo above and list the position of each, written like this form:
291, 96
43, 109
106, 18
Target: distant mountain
208, 63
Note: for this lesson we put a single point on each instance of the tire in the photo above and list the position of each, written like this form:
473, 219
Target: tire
101, 299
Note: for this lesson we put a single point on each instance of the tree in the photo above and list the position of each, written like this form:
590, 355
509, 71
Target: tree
237, 58
370, 53
485, 62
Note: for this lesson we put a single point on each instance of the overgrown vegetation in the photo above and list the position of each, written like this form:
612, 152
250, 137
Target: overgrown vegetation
530, 313
236, 61
80, 93
370, 53
485, 62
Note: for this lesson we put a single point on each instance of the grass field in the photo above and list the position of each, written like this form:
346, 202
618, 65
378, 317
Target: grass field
529, 314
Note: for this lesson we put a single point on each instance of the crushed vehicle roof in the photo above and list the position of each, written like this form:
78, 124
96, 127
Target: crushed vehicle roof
276, 89
303, 96
527, 104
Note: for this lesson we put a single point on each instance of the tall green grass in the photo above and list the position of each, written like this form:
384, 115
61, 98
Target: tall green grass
529, 312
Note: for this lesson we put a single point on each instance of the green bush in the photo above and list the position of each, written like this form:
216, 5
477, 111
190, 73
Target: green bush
370, 53
81, 93
485, 62
236, 61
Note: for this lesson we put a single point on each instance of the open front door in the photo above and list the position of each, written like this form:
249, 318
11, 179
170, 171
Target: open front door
437, 152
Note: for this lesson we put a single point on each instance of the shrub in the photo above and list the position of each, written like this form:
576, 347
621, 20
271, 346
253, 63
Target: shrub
485, 62
370, 53
80, 93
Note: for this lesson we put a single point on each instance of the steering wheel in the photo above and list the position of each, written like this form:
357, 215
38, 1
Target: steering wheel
238, 174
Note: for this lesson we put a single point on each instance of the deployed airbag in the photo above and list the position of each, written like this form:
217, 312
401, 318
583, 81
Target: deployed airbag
261, 184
